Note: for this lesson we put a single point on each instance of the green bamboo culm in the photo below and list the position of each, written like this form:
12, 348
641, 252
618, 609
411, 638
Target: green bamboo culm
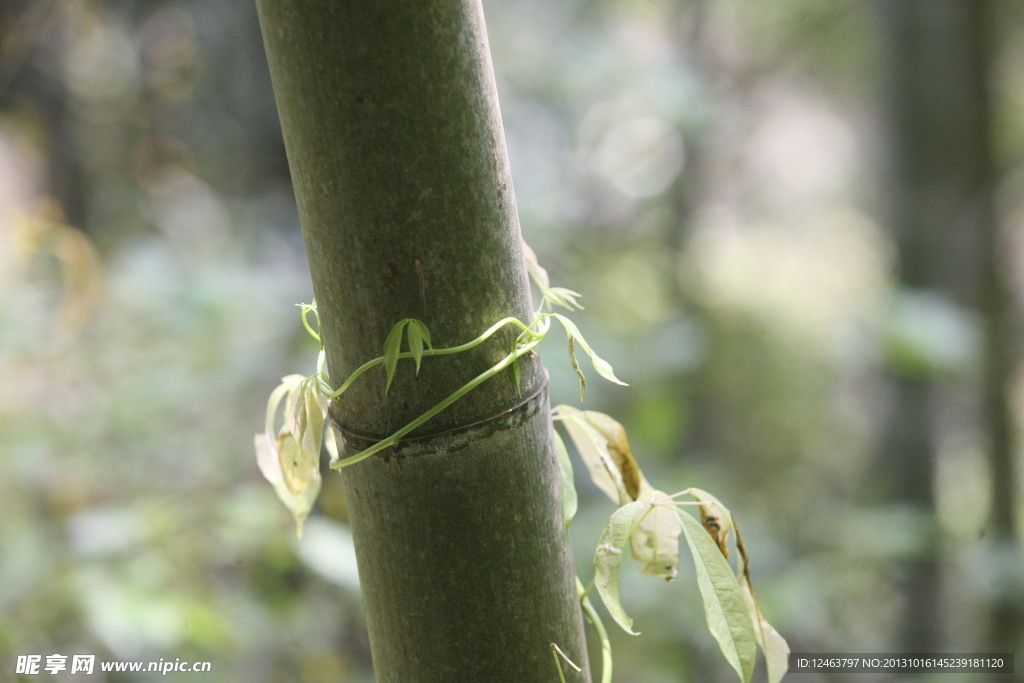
399, 165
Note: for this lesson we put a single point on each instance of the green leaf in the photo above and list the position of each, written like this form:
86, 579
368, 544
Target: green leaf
566, 298
608, 560
569, 499
724, 605
602, 366
517, 377
418, 335
393, 347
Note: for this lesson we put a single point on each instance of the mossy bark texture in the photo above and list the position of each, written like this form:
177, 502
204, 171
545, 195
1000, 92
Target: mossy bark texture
400, 171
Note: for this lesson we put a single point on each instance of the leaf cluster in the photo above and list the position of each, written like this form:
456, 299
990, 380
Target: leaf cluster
289, 456
418, 346
648, 524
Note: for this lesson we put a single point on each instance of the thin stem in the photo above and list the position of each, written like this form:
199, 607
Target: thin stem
558, 664
518, 353
527, 330
602, 634
306, 309
557, 652
585, 591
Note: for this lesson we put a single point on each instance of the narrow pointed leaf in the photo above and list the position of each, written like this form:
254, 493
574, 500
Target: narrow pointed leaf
604, 368
423, 331
608, 561
724, 605
773, 645
601, 365
418, 336
415, 346
392, 347
566, 298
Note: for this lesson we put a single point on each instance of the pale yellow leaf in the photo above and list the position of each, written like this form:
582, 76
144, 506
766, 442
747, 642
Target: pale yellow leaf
268, 458
297, 464
593, 450
316, 409
537, 273
655, 542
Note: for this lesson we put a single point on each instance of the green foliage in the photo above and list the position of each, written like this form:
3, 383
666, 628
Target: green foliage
559, 656
647, 522
608, 559
602, 366
419, 346
724, 605
761, 297
417, 335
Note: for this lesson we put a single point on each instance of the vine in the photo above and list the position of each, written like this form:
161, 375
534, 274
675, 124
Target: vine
647, 522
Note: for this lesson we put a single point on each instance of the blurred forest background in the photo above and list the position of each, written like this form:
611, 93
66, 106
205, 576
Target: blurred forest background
798, 229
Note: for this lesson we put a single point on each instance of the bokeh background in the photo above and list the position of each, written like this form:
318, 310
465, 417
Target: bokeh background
797, 228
